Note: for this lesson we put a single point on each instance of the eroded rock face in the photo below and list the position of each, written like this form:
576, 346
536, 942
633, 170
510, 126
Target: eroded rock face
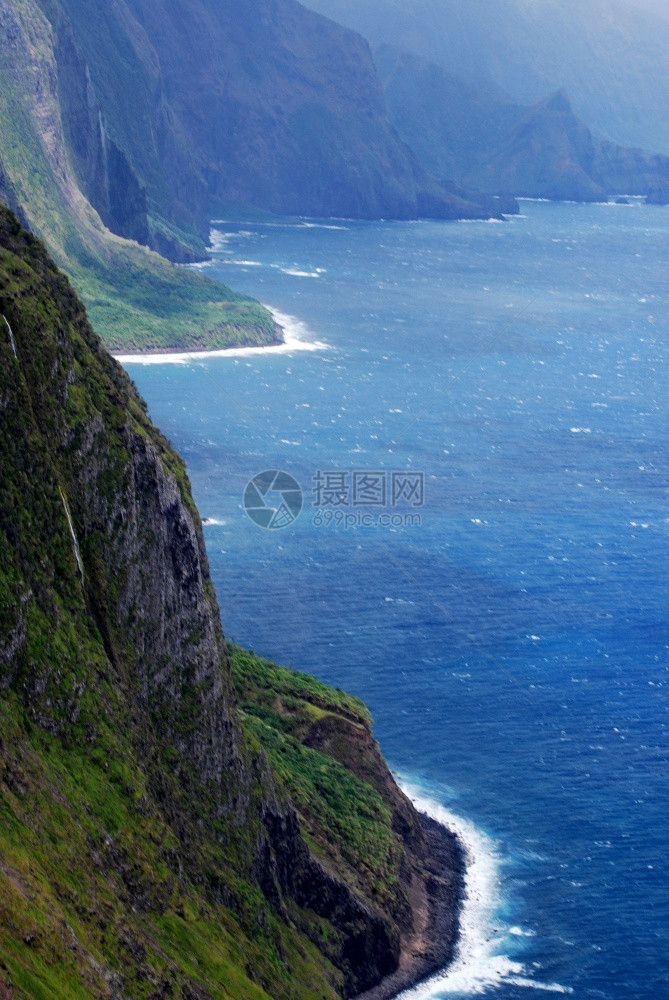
109, 625
369, 945
103, 170
146, 579
265, 104
478, 139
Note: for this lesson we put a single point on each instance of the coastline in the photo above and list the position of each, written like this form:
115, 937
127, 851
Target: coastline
292, 335
437, 902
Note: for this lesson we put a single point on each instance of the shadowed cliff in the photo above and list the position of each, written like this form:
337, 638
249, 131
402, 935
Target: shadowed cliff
478, 139
154, 839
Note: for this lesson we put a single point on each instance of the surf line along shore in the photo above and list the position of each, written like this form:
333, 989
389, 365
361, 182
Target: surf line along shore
437, 902
294, 336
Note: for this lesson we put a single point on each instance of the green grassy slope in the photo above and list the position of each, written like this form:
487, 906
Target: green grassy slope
136, 299
149, 845
347, 818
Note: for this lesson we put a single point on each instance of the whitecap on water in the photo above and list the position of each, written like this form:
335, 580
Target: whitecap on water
301, 274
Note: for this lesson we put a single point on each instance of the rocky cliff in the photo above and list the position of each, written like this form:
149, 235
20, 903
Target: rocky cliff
103, 171
63, 172
611, 56
125, 125
266, 105
549, 153
483, 141
168, 827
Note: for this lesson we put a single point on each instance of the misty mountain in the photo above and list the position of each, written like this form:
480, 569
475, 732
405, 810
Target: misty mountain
478, 139
611, 56
217, 102
126, 125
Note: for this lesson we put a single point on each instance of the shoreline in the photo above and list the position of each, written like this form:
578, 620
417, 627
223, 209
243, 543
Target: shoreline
437, 903
294, 336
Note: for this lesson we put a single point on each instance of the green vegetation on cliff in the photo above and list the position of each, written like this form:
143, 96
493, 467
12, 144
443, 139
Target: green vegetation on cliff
169, 826
348, 821
136, 299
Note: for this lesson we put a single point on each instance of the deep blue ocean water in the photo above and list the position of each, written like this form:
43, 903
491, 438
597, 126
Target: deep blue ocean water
513, 646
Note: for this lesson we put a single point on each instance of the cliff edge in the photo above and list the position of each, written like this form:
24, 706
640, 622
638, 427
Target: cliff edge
176, 818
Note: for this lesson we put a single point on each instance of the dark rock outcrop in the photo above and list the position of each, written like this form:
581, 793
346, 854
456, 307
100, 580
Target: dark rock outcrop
144, 810
369, 946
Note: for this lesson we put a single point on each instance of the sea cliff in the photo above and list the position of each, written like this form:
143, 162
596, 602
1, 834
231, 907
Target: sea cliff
177, 817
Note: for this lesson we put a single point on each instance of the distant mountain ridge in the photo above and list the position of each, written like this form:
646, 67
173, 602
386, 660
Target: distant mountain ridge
138, 119
473, 137
217, 102
129, 124
611, 56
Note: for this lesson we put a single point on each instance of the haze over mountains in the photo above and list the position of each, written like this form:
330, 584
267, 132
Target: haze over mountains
132, 123
478, 139
611, 56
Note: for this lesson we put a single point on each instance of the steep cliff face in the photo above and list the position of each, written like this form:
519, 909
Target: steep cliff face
356, 820
135, 581
285, 110
136, 299
123, 74
103, 170
480, 140
136, 119
154, 840
548, 153
266, 105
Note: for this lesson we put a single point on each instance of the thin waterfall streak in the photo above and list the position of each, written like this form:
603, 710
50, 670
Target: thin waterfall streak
75, 543
11, 336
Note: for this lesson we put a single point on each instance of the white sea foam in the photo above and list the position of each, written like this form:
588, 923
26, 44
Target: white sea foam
301, 274
219, 239
275, 225
296, 337
479, 962
321, 225
200, 265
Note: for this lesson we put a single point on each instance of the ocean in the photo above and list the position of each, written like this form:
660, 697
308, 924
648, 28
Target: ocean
471, 533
